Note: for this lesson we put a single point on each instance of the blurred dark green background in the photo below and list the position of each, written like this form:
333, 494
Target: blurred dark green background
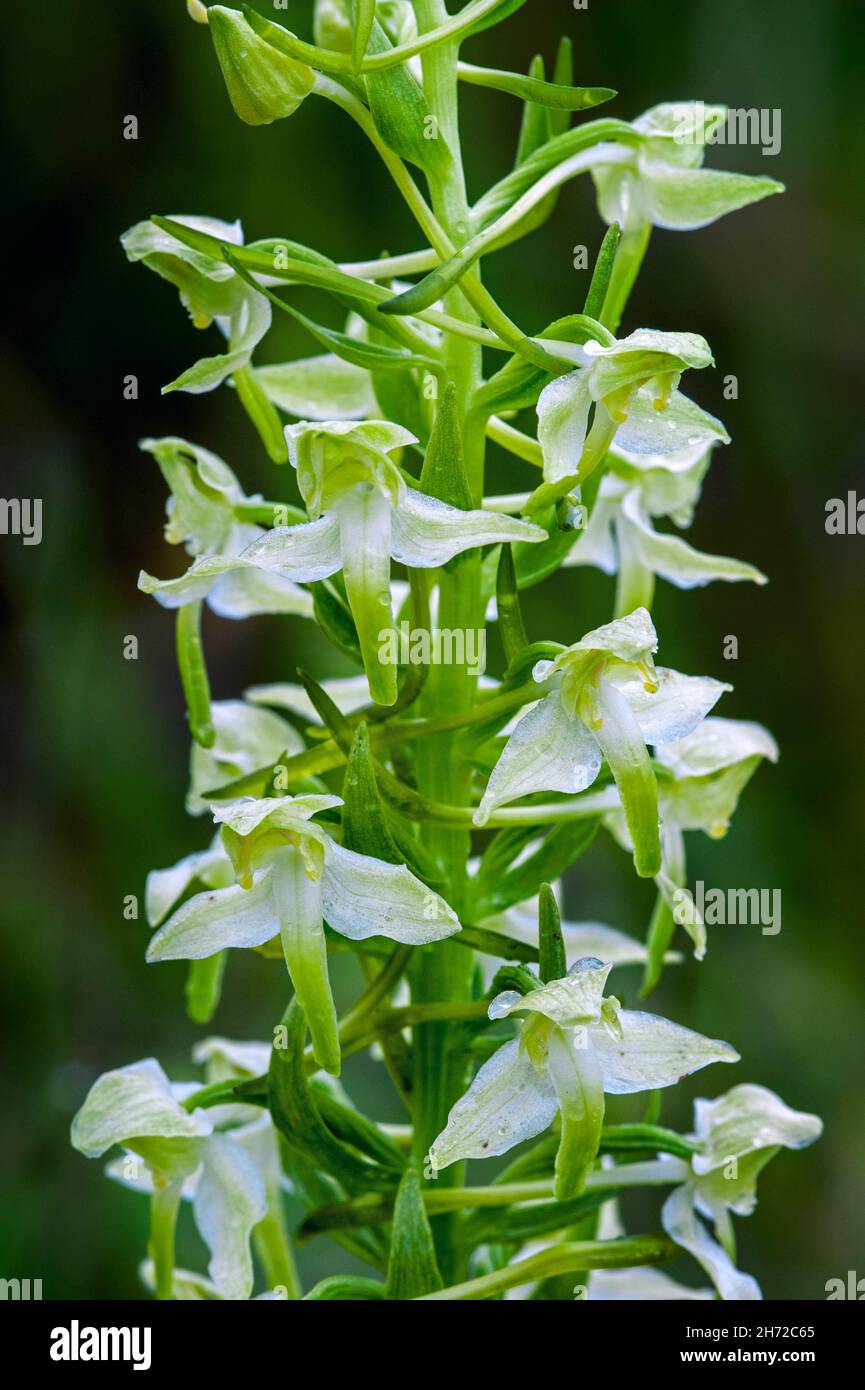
95, 746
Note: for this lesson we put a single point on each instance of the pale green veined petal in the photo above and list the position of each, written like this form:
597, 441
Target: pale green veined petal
349, 693
575, 999
681, 425
229, 1200
301, 930
250, 593
210, 922
134, 1103
707, 803
676, 561
365, 538
716, 744
653, 1053
209, 288
164, 886
563, 420
202, 521
675, 708
746, 1119
622, 741
549, 750
506, 1103
680, 1221
246, 738
427, 533
578, 1082
304, 553
263, 84
319, 388
677, 131
248, 814
363, 896
248, 325
670, 484
224, 1059
682, 200
631, 638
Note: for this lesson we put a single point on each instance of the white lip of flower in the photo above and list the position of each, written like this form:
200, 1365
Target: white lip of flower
136, 1106
202, 517
738, 1134
575, 1046
634, 489
363, 514
291, 878
707, 771
661, 181
609, 701
632, 383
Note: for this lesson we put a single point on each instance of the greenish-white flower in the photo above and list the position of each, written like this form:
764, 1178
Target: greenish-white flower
573, 1046
246, 739
661, 182
205, 516
292, 877
737, 1136
184, 1154
362, 514
607, 701
620, 537
632, 384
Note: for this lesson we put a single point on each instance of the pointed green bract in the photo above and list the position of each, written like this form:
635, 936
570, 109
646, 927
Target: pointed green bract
412, 1270
263, 85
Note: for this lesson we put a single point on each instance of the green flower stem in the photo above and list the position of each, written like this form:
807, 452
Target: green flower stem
392, 267
515, 441
567, 1258
164, 1206
273, 1247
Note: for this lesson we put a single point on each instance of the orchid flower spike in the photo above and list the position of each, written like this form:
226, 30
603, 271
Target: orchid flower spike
737, 1135
362, 515
661, 181
632, 383
291, 878
574, 1046
606, 700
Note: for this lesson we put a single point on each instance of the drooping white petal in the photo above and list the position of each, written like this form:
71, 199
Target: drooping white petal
248, 813
210, 922
680, 425
632, 638
683, 200
249, 593
131, 1103
363, 896
680, 1221
349, 693
653, 1053
642, 1284
675, 708
225, 1059
716, 744
746, 1119
563, 419
427, 533
164, 886
507, 1102
249, 322
673, 559
302, 553
549, 750
229, 1200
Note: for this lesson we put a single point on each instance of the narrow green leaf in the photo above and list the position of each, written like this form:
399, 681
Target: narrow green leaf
329, 713
354, 1128
511, 626
351, 1288
262, 413
553, 961
193, 674
433, 286
333, 616
495, 943
364, 824
602, 272
444, 473
563, 76
412, 1269
536, 125
364, 15
297, 1117
532, 89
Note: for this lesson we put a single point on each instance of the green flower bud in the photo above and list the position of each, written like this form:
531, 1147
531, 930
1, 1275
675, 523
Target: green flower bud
263, 84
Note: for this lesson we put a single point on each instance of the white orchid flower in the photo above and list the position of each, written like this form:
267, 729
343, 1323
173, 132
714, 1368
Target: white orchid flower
737, 1135
661, 181
574, 1046
246, 738
620, 538
608, 701
137, 1107
363, 514
632, 384
292, 877
204, 511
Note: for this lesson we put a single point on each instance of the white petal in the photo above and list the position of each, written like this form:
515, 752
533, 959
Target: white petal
319, 388
224, 1059
681, 1223
673, 559
680, 425
570, 1001
164, 886
249, 813
642, 1284
427, 533
746, 1119
676, 707
716, 744
248, 593
653, 1053
229, 1200
563, 417
549, 750
246, 738
363, 896
210, 922
129, 1103
632, 638
506, 1103
349, 693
